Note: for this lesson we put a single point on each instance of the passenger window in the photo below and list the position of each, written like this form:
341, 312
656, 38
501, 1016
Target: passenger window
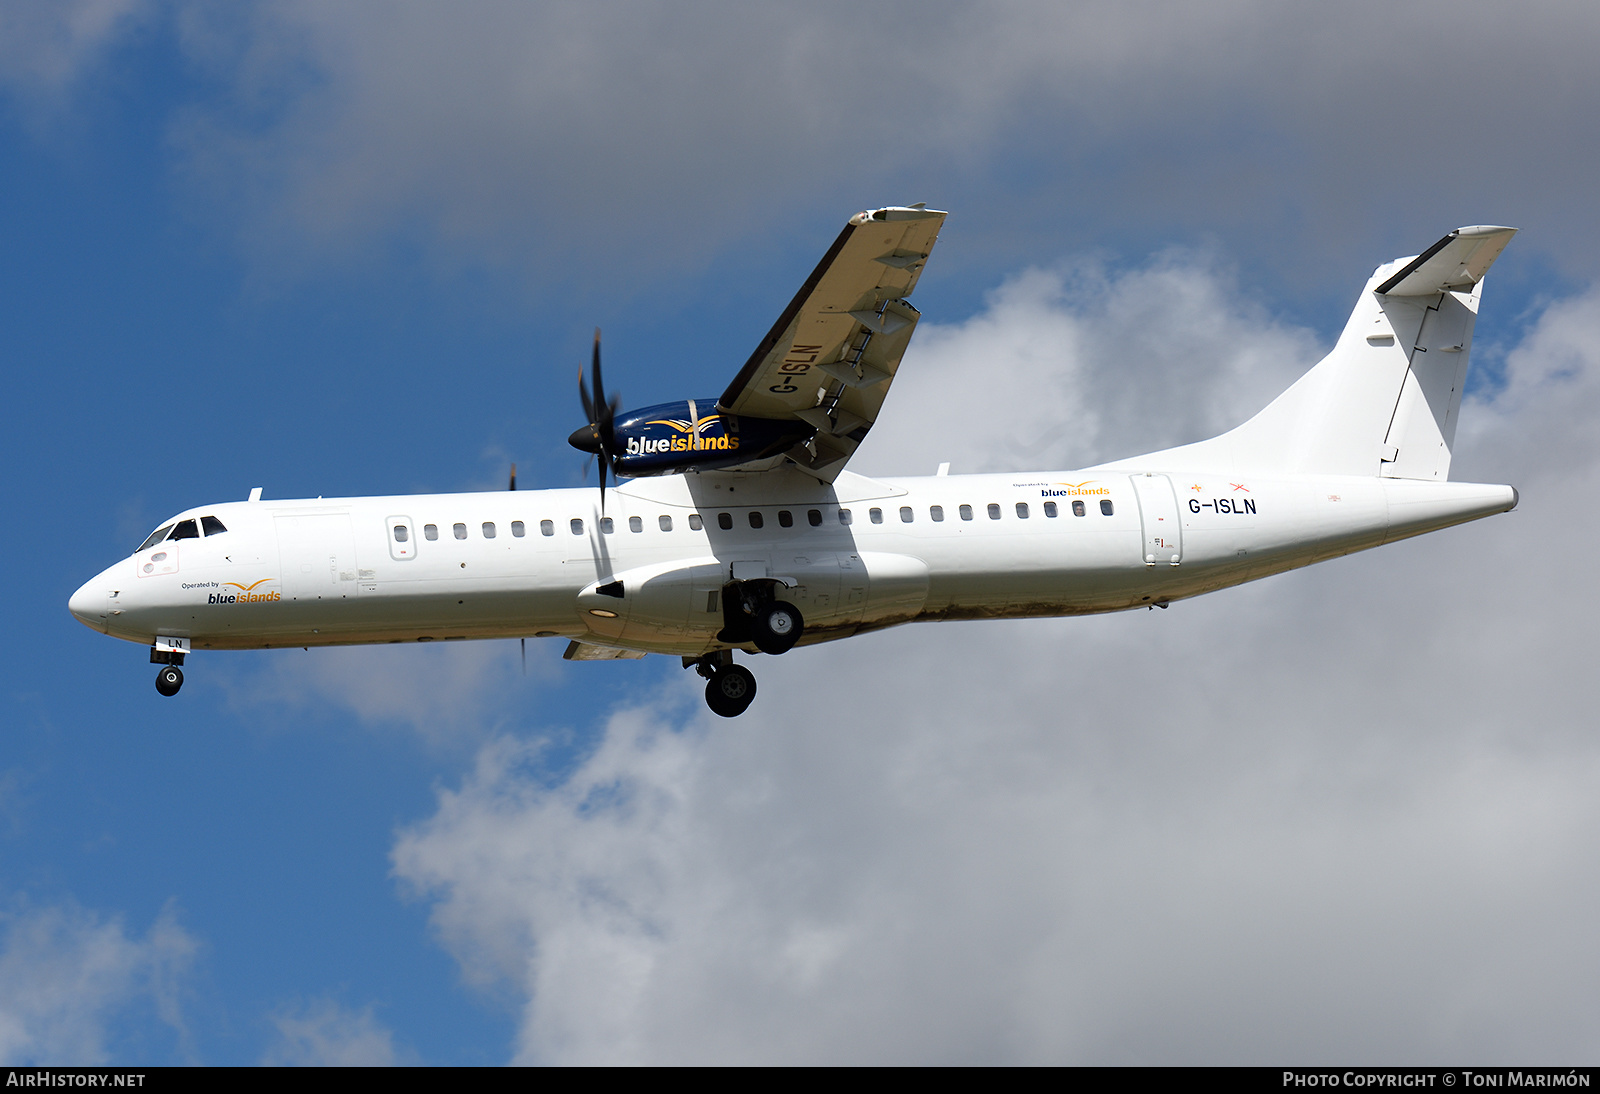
1105, 506
155, 537
666, 523
460, 530
695, 523
876, 515
1022, 510
785, 519
1077, 509
577, 526
635, 524
401, 534
936, 512
844, 516
755, 519
211, 526
430, 531
814, 517
1049, 508
966, 512
994, 511
725, 521
488, 529
547, 527
518, 529
607, 526
185, 529
905, 514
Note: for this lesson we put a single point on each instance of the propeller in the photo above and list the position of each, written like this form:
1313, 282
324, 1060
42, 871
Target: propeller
599, 436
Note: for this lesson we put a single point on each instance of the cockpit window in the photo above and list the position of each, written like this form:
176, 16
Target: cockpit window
211, 526
155, 537
185, 529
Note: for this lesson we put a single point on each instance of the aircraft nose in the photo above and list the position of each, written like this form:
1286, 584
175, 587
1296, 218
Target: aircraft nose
88, 604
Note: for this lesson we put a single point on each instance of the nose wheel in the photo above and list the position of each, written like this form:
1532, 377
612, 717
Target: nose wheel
169, 680
169, 654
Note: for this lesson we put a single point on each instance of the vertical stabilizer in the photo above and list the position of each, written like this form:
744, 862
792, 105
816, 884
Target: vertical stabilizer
1385, 400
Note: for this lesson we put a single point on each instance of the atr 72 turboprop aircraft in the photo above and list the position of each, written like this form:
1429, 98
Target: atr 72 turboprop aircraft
740, 529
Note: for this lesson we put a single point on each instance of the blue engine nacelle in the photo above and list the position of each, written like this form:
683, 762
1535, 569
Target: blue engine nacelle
669, 439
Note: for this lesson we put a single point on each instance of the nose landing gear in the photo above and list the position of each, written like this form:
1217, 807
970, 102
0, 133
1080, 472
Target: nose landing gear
169, 680
169, 654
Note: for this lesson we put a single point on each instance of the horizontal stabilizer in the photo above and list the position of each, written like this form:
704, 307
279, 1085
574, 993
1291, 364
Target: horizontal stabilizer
1458, 261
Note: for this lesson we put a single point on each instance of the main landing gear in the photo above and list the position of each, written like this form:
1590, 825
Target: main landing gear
751, 612
170, 678
730, 688
775, 627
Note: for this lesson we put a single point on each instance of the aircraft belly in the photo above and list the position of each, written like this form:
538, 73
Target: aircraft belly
1059, 570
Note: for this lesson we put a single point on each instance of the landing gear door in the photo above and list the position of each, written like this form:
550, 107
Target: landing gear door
1158, 514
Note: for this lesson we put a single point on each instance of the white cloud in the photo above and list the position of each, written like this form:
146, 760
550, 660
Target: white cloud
445, 691
1075, 366
325, 1034
68, 976
606, 140
1346, 813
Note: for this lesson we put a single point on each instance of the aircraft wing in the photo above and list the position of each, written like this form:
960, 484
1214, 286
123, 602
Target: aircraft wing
829, 359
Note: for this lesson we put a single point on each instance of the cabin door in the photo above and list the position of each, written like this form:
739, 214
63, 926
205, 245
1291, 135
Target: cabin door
1158, 514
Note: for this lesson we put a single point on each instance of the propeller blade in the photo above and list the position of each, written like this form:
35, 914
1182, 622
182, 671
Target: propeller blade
583, 395
513, 476
599, 436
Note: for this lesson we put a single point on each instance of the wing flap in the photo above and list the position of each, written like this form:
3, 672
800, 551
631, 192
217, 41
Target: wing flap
585, 651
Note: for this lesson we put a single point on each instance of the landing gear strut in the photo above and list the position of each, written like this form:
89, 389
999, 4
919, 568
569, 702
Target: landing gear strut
730, 688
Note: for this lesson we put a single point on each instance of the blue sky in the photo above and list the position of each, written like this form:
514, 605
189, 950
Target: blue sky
331, 249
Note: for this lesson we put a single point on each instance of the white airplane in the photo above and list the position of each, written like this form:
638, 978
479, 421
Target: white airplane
740, 529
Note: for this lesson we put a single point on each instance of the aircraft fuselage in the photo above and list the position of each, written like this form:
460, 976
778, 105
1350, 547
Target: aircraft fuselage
655, 572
